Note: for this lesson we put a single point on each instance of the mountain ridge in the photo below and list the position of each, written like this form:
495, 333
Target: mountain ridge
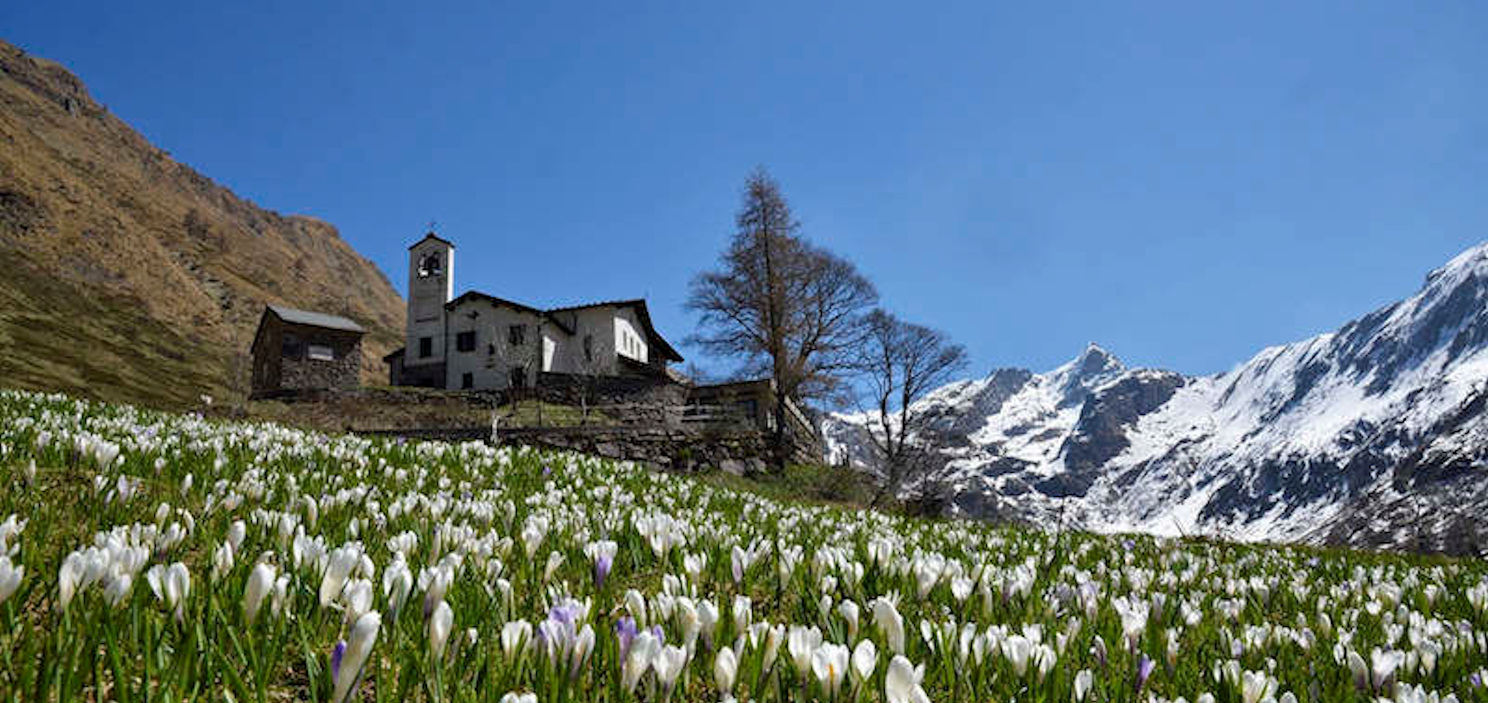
1287, 445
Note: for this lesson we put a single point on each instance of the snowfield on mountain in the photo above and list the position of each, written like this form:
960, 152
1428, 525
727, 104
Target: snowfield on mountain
1371, 435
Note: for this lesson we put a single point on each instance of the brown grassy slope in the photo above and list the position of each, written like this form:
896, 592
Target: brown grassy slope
126, 275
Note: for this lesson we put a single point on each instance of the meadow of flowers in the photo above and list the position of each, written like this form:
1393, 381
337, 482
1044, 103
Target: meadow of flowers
147, 556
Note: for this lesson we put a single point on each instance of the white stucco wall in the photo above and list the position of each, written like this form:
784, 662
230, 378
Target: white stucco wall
491, 325
568, 356
629, 340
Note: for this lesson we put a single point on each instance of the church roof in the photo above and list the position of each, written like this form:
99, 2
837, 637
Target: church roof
434, 237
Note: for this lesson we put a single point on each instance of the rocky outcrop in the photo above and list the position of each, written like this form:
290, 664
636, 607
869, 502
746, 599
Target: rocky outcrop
1101, 433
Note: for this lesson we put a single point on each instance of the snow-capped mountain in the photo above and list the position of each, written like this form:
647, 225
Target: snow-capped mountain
1373, 435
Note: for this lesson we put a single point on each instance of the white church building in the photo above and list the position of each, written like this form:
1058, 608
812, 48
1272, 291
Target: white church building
481, 342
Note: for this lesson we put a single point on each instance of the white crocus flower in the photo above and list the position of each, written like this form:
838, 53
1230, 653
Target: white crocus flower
849, 612
643, 649
902, 682
117, 589
774, 635
1255, 686
356, 598
358, 647
743, 611
1084, 680
222, 560
1018, 650
707, 614
635, 603
236, 533
725, 669
515, 637
693, 565
802, 642
668, 665
175, 586
689, 622
260, 582
440, 623
1382, 666
830, 663
69, 577
10, 578
890, 622
280, 598
555, 560
583, 646
397, 583
864, 661
338, 568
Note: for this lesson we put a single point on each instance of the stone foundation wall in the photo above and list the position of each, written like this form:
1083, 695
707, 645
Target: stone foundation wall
665, 449
660, 448
568, 389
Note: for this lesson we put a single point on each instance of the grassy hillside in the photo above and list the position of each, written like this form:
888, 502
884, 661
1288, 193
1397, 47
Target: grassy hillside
131, 276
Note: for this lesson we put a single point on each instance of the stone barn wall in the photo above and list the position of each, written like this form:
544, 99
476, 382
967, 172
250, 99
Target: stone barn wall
342, 372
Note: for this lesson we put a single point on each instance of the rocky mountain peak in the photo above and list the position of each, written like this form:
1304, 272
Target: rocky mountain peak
1077, 378
1348, 437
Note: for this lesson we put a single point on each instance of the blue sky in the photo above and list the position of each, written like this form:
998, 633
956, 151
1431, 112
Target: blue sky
1181, 182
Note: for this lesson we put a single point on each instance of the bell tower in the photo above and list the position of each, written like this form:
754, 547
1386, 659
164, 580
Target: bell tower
431, 280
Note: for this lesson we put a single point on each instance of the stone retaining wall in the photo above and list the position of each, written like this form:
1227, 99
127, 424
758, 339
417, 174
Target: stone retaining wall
659, 447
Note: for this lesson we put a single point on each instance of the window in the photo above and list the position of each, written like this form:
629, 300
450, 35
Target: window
426, 347
465, 341
517, 335
320, 352
588, 347
467, 380
428, 265
519, 377
290, 347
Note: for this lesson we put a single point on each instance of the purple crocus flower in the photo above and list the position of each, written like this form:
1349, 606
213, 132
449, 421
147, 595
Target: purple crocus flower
1098, 650
547, 470
602, 569
336, 655
657, 632
625, 631
1476, 679
563, 613
1144, 670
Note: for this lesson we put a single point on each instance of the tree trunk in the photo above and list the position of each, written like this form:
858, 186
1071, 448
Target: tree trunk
782, 449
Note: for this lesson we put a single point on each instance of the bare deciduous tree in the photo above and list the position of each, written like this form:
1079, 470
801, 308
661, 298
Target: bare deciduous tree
898, 364
507, 354
781, 305
591, 365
